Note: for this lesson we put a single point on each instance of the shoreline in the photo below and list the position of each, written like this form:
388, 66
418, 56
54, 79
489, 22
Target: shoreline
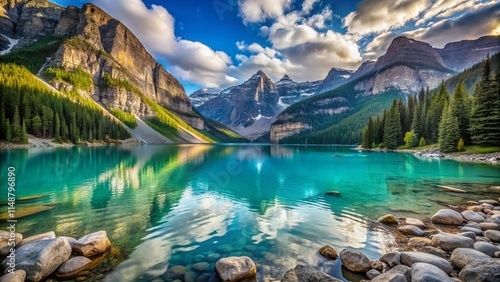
36, 142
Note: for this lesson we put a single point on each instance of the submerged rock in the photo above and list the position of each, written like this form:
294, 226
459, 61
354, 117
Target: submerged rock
428, 273
485, 270
328, 252
235, 268
92, 244
41, 257
355, 261
448, 217
306, 273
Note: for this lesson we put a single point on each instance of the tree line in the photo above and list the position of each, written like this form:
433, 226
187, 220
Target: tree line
453, 122
27, 106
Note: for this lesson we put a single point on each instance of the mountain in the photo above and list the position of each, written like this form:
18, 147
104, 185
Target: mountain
461, 55
249, 108
334, 79
291, 92
68, 46
339, 115
202, 96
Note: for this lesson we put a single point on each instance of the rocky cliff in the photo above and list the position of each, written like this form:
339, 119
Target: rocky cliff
291, 92
202, 96
463, 54
334, 79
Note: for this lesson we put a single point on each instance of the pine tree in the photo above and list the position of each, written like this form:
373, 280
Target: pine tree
8, 131
435, 112
3, 126
449, 133
368, 137
23, 139
392, 127
36, 126
57, 128
422, 142
16, 126
460, 106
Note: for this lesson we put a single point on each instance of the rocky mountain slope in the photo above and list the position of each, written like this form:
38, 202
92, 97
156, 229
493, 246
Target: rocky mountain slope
461, 55
407, 66
89, 41
291, 92
334, 79
202, 96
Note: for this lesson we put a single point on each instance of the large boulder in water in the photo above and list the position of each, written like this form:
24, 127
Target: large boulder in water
235, 268
355, 261
307, 273
485, 270
447, 216
41, 257
328, 252
92, 244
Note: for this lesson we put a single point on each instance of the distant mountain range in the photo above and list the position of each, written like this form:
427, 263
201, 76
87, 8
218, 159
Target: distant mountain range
406, 67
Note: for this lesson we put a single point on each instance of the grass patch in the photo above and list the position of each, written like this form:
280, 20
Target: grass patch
79, 78
34, 56
126, 117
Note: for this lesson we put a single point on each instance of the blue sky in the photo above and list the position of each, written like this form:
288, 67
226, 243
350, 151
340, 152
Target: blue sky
220, 43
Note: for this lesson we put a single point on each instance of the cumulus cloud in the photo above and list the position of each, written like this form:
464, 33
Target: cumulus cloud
154, 27
254, 11
374, 16
308, 5
440, 7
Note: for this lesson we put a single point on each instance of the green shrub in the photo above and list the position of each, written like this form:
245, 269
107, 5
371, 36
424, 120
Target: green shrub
79, 78
126, 117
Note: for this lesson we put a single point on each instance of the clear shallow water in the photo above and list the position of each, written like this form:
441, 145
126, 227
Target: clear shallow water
167, 206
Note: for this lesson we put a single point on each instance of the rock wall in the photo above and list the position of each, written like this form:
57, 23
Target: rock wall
280, 131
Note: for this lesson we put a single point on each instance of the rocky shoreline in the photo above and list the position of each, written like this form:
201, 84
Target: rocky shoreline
488, 158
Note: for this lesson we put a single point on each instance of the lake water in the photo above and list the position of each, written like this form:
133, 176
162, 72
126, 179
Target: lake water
166, 208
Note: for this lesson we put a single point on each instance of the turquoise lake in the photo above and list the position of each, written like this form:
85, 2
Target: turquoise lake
169, 206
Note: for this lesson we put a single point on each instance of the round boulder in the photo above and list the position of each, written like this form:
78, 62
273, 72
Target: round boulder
413, 221
388, 219
410, 258
16, 276
372, 273
485, 270
307, 273
448, 217
428, 272
391, 259
462, 257
411, 230
92, 244
449, 242
493, 235
472, 216
486, 248
355, 261
328, 252
73, 267
235, 268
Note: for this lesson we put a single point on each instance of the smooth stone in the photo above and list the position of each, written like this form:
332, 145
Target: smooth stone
391, 259
424, 272
496, 255
473, 225
200, 266
16, 276
399, 273
482, 214
225, 248
333, 193
413, 221
92, 244
411, 230
40, 258
306, 273
213, 256
486, 248
493, 235
489, 202
472, 216
235, 268
73, 267
388, 219
328, 252
355, 261
448, 217
190, 276
409, 258
468, 234
475, 208
485, 270
372, 273
472, 229
377, 265
46, 235
462, 257
71, 240
176, 272
489, 226
449, 242
435, 251
418, 242
5, 236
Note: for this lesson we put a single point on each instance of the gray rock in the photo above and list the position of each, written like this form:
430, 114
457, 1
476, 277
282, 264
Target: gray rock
472, 216
485, 270
489, 226
462, 257
471, 229
92, 244
16, 276
411, 230
399, 273
40, 258
493, 235
73, 267
419, 242
235, 268
435, 251
328, 252
448, 217
388, 219
306, 273
200, 266
449, 242
489, 202
46, 235
416, 222
71, 240
476, 208
355, 261
496, 255
486, 248
468, 234
372, 273
424, 272
175, 272
409, 258
377, 265
392, 259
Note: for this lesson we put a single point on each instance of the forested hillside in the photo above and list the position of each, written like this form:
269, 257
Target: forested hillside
29, 106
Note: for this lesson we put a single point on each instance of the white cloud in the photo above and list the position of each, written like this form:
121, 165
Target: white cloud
254, 11
374, 16
445, 6
308, 5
